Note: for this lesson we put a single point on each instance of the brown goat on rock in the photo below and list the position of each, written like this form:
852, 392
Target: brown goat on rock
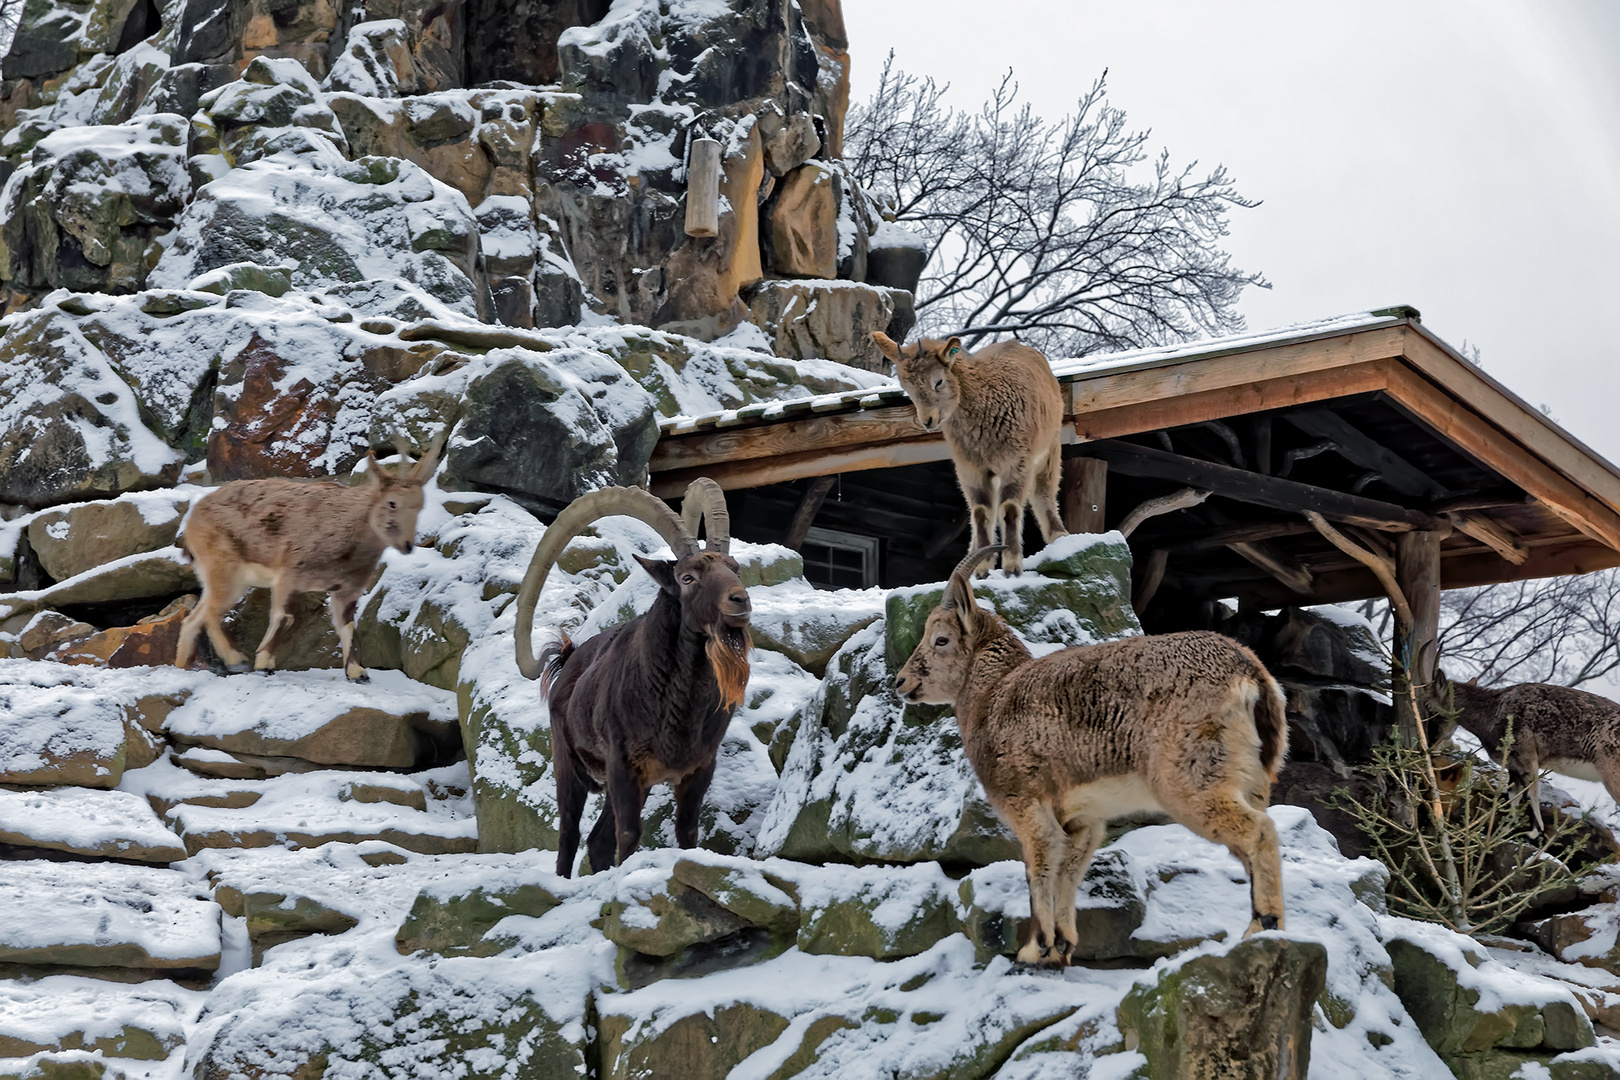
1554, 727
649, 699
294, 536
1001, 410
1188, 724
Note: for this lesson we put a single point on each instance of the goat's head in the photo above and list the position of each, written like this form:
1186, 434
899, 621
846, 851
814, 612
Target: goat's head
703, 578
938, 666
926, 370
396, 498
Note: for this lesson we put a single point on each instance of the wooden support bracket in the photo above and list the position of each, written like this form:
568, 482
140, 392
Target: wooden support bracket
1383, 568
1164, 504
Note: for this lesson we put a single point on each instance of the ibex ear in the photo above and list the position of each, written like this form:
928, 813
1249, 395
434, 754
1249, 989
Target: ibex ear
959, 597
952, 351
661, 571
374, 471
887, 346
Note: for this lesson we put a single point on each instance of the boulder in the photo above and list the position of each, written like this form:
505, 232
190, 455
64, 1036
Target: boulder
109, 1020
1468, 1014
35, 635
70, 427
74, 539
802, 223
789, 141
889, 913
708, 1042
809, 626
1111, 905
895, 258
376, 61
547, 429
86, 210
59, 733
372, 218
88, 823
458, 923
1243, 1013
829, 319
105, 915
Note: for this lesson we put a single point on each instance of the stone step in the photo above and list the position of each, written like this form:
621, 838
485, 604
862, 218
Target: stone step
106, 919
429, 812
88, 822
143, 1022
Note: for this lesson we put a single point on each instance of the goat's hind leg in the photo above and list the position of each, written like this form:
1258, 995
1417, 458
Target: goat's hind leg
571, 791
1012, 528
264, 658
1249, 834
1043, 499
220, 592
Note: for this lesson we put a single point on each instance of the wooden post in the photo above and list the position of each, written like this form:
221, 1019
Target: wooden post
703, 188
809, 507
1083, 494
1417, 574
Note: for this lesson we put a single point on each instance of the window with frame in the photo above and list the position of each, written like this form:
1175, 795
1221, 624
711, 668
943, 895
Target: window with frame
840, 560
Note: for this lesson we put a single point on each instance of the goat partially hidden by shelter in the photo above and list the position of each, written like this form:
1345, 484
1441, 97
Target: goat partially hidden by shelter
1188, 724
293, 536
649, 699
1559, 728
1001, 411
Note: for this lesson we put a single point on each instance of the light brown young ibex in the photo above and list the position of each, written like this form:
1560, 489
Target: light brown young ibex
1188, 724
293, 536
1001, 410
1554, 727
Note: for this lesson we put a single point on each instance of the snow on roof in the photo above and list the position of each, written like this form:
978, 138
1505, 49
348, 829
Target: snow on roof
1065, 369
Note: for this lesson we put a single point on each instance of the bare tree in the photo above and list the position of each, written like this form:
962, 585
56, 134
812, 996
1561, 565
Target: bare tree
11, 13
1065, 234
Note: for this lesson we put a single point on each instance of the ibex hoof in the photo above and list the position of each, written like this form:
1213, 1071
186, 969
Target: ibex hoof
241, 668
360, 678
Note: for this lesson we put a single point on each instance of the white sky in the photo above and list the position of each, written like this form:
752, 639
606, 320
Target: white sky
1461, 156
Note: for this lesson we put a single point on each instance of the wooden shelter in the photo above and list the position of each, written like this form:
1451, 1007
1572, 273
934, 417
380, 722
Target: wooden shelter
1422, 467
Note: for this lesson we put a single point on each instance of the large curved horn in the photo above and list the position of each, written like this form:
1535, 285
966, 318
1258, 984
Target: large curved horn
631, 502
705, 499
969, 563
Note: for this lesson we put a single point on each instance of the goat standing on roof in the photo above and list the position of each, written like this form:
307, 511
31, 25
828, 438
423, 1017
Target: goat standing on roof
1188, 724
649, 699
293, 536
1001, 410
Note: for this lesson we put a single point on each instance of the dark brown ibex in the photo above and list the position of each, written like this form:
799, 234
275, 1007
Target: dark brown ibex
1001, 410
649, 699
1188, 724
1554, 727
293, 536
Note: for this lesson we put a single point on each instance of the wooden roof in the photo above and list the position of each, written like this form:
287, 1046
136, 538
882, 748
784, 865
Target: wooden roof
1369, 419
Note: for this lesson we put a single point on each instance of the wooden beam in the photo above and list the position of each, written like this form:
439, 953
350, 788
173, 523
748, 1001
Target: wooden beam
1279, 564
757, 472
1262, 444
1502, 454
1182, 377
1103, 415
784, 438
1083, 496
1164, 504
1492, 535
809, 506
1152, 575
1359, 449
1269, 491
1417, 644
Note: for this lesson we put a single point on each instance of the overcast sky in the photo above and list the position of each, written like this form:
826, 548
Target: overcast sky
1461, 156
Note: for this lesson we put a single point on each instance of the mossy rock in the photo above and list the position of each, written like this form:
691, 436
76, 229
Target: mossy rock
703, 1045
1243, 1013
859, 922
457, 925
1109, 904
668, 920
514, 793
270, 280
760, 898
1447, 1012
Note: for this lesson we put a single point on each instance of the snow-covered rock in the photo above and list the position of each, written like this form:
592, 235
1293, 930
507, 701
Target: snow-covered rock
88, 822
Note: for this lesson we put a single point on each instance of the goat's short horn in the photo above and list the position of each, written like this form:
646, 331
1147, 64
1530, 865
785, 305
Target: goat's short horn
631, 502
968, 564
706, 501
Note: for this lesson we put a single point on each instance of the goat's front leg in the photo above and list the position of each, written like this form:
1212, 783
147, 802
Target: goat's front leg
342, 604
1525, 769
981, 490
1084, 839
1045, 844
625, 796
689, 803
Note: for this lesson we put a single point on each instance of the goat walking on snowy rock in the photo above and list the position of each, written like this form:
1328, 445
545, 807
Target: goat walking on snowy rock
1188, 724
294, 536
1001, 410
649, 699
